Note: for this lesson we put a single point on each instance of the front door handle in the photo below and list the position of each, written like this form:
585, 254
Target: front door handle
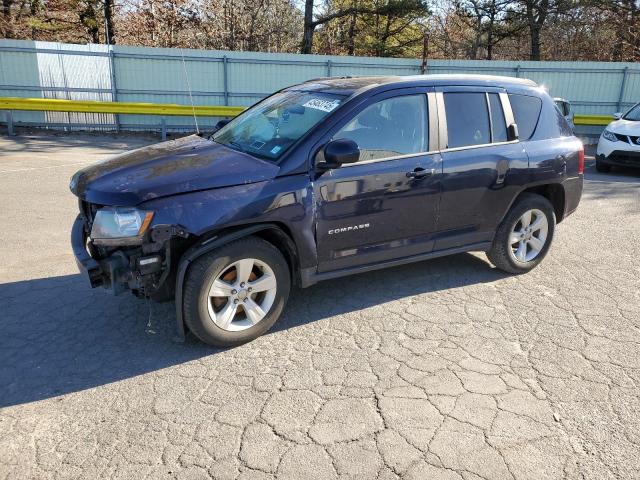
420, 172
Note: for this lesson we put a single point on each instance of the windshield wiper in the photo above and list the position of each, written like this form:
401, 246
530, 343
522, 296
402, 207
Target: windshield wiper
238, 147
232, 145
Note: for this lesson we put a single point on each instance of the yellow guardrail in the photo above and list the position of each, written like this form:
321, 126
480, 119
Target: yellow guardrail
135, 108
82, 106
597, 120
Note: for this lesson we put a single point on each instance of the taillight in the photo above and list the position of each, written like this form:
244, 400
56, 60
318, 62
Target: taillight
581, 159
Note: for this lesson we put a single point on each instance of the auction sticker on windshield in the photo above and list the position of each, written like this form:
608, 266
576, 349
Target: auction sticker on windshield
320, 104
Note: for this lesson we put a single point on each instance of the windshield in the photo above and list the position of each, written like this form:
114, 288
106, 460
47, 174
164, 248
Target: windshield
633, 114
268, 129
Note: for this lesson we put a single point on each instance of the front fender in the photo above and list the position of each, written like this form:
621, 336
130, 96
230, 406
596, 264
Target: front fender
223, 215
286, 200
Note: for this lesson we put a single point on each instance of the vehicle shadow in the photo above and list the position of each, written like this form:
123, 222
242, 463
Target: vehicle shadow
59, 337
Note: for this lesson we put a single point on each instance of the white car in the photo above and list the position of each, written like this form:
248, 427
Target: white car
619, 143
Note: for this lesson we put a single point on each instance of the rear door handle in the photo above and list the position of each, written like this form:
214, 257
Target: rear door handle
420, 172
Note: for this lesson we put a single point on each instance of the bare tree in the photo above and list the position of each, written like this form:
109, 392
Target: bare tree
491, 21
393, 8
625, 18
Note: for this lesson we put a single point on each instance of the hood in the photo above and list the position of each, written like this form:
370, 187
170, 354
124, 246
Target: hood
625, 127
168, 168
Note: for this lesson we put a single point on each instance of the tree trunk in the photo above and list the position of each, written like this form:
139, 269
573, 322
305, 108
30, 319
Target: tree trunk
490, 28
309, 27
6, 19
33, 9
108, 19
351, 46
535, 43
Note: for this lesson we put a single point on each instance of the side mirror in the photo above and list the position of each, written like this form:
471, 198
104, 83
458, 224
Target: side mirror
339, 151
617, 115
512, 132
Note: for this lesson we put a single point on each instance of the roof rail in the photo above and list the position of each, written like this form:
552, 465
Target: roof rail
329, 78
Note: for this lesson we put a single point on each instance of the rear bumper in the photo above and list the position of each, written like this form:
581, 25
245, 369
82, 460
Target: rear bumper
572, 194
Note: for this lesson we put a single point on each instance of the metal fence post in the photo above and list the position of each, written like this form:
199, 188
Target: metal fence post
623, 86
163, 129
114, 86
225, 74
518, 71
328, 68
10, 123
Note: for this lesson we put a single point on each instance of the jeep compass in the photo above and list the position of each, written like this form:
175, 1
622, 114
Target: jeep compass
328, 178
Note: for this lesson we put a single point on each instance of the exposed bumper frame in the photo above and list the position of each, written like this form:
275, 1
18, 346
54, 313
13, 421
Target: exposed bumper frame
89, 268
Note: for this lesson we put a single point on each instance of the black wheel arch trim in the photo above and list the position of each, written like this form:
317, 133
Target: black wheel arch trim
205, 246
530, 188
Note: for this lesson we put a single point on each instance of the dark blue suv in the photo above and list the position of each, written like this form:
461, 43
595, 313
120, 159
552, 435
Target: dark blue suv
324, 179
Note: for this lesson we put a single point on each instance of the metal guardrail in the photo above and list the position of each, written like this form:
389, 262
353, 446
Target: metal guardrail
127, 108
133, 108
593, 120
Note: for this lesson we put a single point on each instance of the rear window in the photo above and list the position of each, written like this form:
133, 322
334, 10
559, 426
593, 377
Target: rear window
526, 111
467, 119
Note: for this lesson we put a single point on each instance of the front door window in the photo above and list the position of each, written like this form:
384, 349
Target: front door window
390, 128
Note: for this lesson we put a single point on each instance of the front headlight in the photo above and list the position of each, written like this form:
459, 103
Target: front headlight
610, 136
124, 224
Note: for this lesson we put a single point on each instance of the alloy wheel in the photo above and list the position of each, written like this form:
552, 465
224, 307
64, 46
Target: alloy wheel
242, 294
529, 235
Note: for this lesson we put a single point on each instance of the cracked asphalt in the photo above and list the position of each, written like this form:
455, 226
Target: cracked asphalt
446, 369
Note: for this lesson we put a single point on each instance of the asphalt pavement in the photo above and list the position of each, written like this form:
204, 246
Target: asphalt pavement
445, 369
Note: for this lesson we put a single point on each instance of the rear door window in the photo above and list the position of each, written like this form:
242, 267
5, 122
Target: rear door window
467, 119
526, 111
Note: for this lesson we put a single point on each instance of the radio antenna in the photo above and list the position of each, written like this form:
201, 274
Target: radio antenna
186, 76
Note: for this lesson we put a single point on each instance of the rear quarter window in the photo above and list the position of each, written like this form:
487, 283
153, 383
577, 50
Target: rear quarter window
526, 112
564, 129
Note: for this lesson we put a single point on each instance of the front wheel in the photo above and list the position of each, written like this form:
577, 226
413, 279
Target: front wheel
236, 293
524, 236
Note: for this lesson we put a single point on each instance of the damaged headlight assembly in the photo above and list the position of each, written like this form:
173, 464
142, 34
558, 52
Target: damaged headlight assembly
120, 226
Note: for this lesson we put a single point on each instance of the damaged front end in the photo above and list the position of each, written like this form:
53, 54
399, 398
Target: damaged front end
141, 261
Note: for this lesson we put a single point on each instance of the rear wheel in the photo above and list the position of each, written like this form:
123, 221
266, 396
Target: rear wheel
524, 236
602, 167
236, 293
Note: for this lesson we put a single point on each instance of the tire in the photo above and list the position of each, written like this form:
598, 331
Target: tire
502, 253
602, 167
213, 319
